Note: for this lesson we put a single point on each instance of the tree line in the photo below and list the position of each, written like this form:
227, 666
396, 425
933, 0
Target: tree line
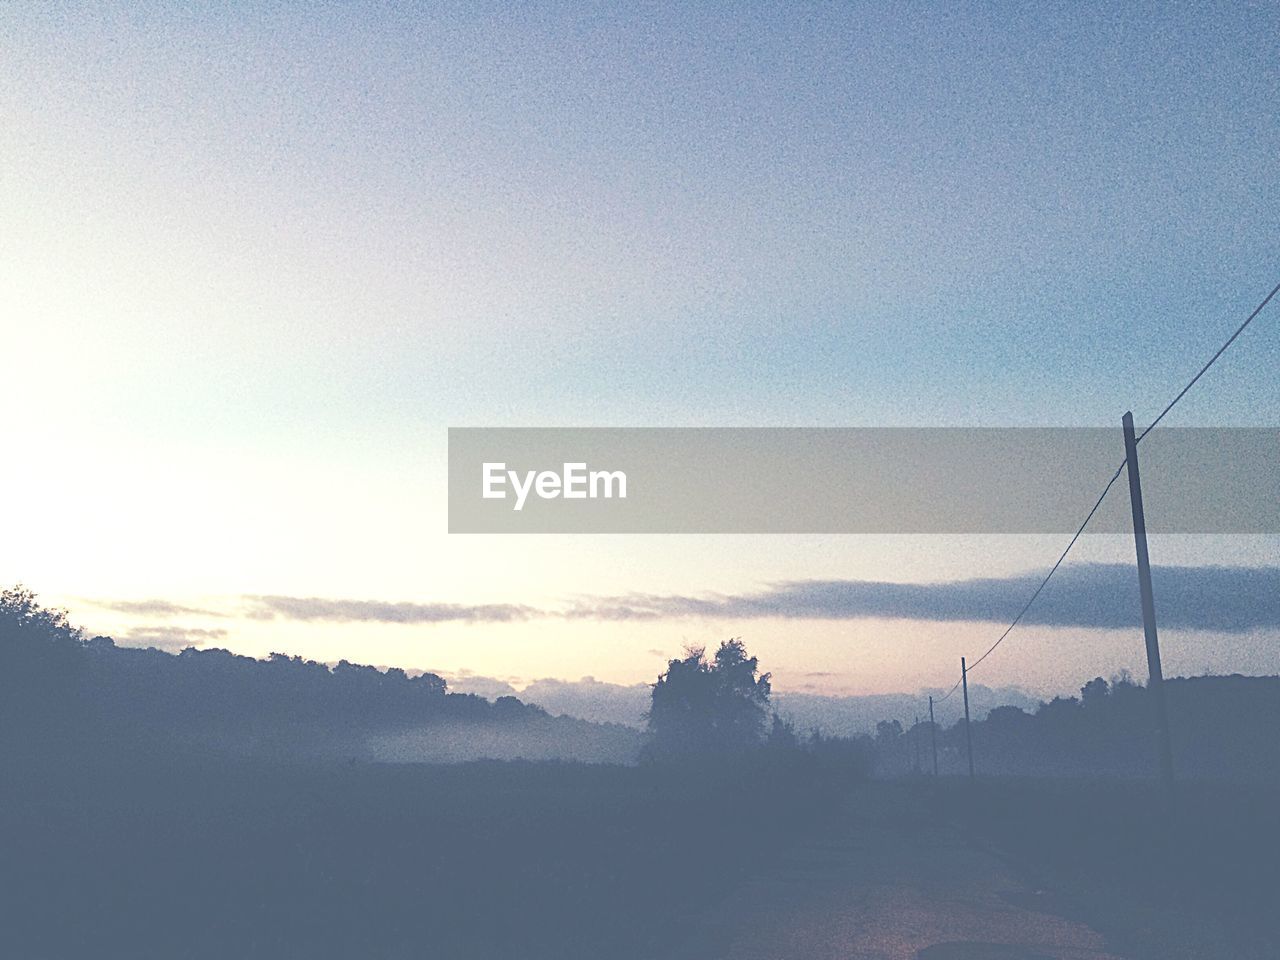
1224, 728
61, 690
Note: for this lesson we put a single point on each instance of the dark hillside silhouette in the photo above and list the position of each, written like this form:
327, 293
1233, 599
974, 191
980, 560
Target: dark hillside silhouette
60, 691
1224, 728
208, 805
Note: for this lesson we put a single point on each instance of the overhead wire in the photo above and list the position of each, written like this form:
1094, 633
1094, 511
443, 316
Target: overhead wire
1106, 489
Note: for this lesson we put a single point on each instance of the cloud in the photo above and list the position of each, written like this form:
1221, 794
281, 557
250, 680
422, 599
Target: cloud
490, 688
171, 638
1090, 595
1098, 595
377, 611
153, 608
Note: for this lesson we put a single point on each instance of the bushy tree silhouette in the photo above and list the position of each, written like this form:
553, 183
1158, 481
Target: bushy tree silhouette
41, 665
1094, 692
702, 707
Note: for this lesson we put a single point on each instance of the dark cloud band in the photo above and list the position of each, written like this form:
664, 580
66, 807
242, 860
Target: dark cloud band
1087, 595
1090, 595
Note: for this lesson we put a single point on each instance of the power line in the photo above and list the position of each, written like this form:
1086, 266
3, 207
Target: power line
1115, 476
1052, 571
1221, 350
1054, 568
953, 689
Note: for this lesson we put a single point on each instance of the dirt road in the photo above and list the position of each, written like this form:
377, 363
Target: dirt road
886, 883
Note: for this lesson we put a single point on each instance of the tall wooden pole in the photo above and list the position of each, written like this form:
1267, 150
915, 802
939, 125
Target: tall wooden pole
968, 733
1155, 676
933, 737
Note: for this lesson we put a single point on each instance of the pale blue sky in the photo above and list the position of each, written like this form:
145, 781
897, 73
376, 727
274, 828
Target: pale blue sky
253, 262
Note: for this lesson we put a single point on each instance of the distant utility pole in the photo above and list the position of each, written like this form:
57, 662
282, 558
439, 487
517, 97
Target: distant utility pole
968, 733
933, 737
1155, 679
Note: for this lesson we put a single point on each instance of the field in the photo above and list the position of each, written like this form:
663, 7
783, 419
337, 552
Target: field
1195, 877
232, 858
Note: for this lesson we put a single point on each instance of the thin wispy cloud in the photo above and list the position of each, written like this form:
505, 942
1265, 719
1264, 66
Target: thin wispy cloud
154, 608
377, 611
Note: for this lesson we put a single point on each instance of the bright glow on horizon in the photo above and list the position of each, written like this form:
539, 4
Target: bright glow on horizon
253, 265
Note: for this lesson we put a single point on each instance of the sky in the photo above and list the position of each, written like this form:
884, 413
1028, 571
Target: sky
254, 262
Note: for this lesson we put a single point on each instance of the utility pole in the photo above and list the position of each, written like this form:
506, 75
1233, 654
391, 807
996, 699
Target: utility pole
968, 733
933, 737
1155, 676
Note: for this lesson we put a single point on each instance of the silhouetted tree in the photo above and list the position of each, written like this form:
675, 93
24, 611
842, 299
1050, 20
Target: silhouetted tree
31, 631
888, 731
708, 707
1093, 692
41, 664
1006, 716
782, 734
